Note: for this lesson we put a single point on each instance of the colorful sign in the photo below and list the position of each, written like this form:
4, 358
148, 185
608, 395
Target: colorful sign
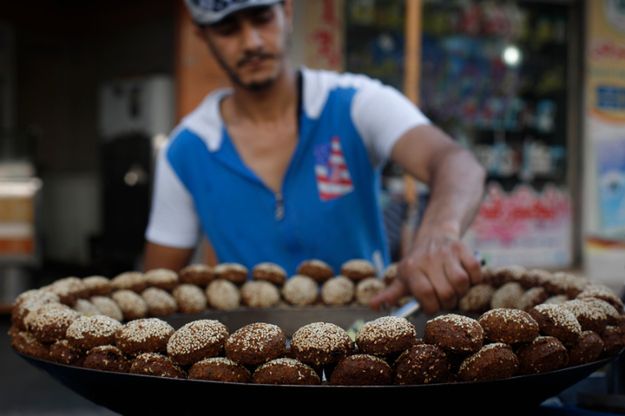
605, 82
323, 33
605, 112
524, 227
611, 189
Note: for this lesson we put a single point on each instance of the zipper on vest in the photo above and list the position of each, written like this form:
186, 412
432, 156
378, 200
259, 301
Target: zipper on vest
279, 210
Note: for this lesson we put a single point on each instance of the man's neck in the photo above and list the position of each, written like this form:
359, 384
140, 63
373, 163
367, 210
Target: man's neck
266, 105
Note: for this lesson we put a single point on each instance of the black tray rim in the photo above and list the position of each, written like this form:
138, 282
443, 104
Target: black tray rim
595, 365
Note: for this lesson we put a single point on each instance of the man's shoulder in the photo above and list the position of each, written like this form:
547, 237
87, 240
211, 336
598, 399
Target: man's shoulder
328, 80
204, 122
320, 84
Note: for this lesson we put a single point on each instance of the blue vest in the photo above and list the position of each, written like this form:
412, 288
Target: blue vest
246, 222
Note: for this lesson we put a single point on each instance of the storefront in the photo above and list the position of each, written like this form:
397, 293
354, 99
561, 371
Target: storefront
501, 78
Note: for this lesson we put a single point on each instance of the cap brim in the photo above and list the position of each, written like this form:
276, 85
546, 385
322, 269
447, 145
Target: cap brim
208, 18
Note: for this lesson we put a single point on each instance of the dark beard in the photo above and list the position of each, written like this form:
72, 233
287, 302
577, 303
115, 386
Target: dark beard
253, 86
232, 74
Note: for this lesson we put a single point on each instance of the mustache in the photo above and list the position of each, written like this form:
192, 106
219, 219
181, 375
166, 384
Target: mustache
249, 56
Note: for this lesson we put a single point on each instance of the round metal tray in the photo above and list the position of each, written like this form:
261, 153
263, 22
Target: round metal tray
140, 394
131, 394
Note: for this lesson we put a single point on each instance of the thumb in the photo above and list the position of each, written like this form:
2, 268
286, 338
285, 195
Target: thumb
390, 295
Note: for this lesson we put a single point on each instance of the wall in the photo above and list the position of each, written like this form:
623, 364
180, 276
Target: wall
62, 60
197, 73
71, 209
64, 51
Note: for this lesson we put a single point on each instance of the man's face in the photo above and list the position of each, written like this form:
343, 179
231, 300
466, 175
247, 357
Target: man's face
250, 45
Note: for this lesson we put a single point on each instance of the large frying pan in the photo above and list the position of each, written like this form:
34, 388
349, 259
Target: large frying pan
148, 395
132, 394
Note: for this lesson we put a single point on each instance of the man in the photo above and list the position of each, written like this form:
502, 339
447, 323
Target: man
284, 166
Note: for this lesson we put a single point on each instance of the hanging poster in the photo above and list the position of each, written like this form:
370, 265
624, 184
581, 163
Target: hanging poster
524, 227
611, 186
323, 33
605, 113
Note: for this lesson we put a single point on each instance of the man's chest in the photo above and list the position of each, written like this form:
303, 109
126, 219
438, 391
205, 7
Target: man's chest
266, 151
327, 195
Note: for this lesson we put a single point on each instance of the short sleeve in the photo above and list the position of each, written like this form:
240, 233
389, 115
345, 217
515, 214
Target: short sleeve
382, 115
173, 219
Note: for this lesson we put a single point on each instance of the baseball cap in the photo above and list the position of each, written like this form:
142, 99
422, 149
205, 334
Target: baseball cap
207, 12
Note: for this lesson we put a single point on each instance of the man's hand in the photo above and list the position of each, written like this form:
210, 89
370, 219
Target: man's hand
438, 272
439, 268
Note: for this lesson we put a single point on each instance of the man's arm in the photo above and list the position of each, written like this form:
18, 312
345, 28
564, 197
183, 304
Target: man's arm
439, 268
173, 228
158, 256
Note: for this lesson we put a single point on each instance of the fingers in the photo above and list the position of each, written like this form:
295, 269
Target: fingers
471, 265
437, 277
458, 278
422, 289
390, 295
442, 287
409, 282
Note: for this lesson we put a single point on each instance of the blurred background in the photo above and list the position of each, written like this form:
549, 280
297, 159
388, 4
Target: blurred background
89, 90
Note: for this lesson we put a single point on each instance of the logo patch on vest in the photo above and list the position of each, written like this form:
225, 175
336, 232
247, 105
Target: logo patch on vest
333, 179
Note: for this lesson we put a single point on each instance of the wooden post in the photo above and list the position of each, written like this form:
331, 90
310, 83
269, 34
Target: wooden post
412, 67
412, 50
